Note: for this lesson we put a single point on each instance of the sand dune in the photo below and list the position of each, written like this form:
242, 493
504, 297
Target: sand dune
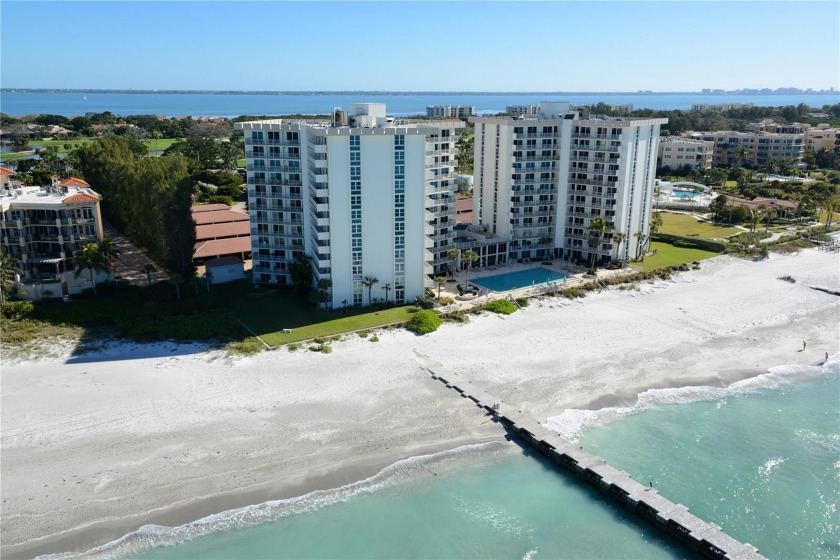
94, 449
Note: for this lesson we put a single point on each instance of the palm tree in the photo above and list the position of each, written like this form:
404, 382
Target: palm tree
655, 222
368, 283
148, 268
639, 235
618, 239
387, 288
8, 269
109, 251
208, 277
89, 257
470, 257
756, 214
546, 241
324, 285
741, 154
830, 207
770, 212
597, 227
176, 279
454, 254
441, 282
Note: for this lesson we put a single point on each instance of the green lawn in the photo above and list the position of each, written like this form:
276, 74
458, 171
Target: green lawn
159, 144
668, 255
73, 142
152, 143
687, 226
14, 155
268, 317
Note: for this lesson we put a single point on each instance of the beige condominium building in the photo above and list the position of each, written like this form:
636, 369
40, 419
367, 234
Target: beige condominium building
449, 111
540, 181
677, 153
43, 227
822, 136
758, 147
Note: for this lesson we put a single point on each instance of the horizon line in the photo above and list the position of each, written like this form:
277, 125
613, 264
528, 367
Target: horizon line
716, 91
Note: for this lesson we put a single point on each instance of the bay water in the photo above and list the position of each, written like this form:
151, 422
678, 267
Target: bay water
398, 104
760, 458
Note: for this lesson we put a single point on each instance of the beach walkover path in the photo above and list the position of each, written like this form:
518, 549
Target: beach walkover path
130, 265
675, 519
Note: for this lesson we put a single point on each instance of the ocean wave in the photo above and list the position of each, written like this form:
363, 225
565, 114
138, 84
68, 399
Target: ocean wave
149, 537
572, 422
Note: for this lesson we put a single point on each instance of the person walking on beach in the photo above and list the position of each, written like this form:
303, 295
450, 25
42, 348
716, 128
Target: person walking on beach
804, 344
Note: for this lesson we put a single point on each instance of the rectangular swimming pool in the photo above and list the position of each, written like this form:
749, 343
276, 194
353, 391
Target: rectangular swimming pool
519, 279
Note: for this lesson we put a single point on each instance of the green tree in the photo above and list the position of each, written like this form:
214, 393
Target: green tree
639, 235
741, 155
110, 253
8, 270
368, 282
469, 256
454, 254
655, 222
148, 268
387, 288
324, 287
89, 257
597, 227
830, 208
441, 282
618, 239
301, 272
546, 242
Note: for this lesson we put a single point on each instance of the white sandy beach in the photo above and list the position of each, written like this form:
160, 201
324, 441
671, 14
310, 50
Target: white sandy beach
96, 446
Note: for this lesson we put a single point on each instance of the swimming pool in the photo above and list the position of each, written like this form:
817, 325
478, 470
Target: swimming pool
676, 193
519, 279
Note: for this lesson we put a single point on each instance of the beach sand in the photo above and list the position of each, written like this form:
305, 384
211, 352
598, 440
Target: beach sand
96, 446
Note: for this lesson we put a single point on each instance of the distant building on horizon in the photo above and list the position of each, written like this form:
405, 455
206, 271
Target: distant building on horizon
522, 109
719, 106
449, 111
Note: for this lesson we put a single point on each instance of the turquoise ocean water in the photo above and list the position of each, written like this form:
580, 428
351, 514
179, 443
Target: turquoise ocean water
760, 458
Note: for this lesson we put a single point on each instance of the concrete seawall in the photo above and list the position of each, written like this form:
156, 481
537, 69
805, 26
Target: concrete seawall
675, 519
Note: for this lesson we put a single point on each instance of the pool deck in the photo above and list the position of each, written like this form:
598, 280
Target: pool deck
574, 277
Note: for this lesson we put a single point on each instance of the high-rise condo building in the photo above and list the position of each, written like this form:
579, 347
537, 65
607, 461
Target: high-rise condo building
362, 197
541, 181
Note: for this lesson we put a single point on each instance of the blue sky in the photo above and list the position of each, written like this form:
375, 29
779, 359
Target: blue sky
420, 46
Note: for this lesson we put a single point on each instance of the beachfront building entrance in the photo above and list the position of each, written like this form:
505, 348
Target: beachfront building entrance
562, 183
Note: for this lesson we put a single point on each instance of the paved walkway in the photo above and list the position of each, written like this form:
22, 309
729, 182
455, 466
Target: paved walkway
132, 260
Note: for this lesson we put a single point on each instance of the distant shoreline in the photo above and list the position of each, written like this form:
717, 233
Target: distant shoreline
792, 91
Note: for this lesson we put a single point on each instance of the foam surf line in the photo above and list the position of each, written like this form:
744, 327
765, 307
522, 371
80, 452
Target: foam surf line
572, 422
148, 537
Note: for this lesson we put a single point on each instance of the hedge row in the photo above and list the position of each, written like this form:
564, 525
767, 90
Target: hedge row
690, 242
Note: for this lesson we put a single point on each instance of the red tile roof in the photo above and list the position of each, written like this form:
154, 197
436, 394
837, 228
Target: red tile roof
208, 207
6, 171
756, 202
218, 217
74, 182
222, 261
228, 229
80, 198
464, 217
220, 247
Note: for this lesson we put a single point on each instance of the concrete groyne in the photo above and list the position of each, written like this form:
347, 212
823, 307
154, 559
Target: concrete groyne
645, 501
